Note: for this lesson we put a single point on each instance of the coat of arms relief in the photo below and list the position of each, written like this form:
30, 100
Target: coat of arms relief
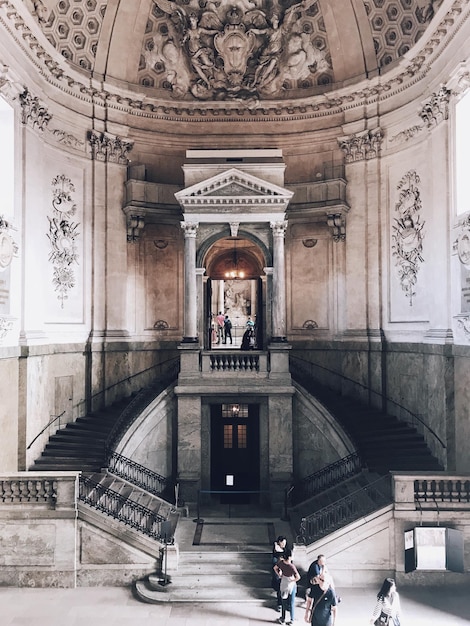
218, 51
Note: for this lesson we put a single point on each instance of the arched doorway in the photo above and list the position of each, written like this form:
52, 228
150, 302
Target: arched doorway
234, 288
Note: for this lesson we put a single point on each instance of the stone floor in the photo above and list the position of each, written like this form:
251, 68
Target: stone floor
105, 606
117, 606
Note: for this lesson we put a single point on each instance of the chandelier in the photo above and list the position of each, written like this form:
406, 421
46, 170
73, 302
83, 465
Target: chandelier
235, 272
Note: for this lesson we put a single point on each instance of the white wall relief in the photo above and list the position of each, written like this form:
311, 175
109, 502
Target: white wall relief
407, 233
62, 236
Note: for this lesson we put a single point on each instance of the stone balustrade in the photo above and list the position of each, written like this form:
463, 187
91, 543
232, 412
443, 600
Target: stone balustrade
252, 362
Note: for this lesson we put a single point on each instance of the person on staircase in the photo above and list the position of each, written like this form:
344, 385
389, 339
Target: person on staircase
279, 549
289, 576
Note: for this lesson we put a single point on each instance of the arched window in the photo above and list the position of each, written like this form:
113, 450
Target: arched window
462, 155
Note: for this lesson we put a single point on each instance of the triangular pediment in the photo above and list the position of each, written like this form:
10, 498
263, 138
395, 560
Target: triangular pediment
231, 185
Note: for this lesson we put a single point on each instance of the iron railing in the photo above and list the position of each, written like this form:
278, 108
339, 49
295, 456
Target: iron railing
137, 474
112, 503
324, 479
346, 510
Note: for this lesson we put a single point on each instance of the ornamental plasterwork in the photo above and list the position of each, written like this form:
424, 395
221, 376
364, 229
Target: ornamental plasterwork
463, 242
406, 74
8, 246
310, 325
33, 112
240, 51
407, 134
109, 148
5, 327
337, 223
62, 235
436, 108
464, 323
362, 146
407, 233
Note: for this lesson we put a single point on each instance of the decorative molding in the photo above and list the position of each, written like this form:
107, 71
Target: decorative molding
337, 223
462, 243
407, 233
436, 108
5, 326
234, 226
407, 134
189, 229
404, 75
161, 325
279, 228
362, 146
310, 325
10, 87
62, 235
309, 243
32, 112
8, 246
66, 139
108, 148
135, 225
463, 320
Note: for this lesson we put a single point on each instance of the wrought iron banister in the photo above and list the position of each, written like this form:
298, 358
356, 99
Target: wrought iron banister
123, 509
325, 478
346, 510
138, 474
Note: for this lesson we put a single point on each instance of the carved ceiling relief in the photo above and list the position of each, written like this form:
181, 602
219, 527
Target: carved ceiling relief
397, 26
211, 52
407, 233
62, 235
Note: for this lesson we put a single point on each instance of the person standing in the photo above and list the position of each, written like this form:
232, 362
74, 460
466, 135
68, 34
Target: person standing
322, 611
316, 572
289, 576
220, 326
279, 549
227, 329
387, 608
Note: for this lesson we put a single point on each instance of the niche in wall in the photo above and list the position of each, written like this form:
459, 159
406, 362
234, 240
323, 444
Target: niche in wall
434, 548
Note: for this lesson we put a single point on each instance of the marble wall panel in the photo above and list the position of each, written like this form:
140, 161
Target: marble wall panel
9, 393
27, 545
162, 249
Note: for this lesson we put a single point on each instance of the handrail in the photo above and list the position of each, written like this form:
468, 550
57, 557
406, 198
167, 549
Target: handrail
54, 419
120, 508
137, 404
137, 474
345, 510
327, 477
173, 361
366, 388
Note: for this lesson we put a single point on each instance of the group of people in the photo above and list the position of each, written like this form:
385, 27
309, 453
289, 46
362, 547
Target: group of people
222, 332
321, 606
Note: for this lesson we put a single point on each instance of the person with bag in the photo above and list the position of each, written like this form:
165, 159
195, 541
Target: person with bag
289, 575
322, 610
387, 609
279, 549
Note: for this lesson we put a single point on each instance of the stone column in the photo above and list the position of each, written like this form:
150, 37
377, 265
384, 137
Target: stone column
279, 282
190, 284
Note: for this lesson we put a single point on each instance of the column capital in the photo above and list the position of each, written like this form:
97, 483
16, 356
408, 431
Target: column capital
279, 228
189, 228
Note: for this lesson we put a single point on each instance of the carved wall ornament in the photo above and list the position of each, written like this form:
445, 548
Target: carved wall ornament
161, 244
234, 226
279, 228
407, 134
62, 236
5, 327
67, 139
362, 146
189, 229
10, 87
309, 243
8, 246
464, 323
135, 225
109, 148
310, 325
407, 233
436, 109
337, 223
463, 242
161, 325
32, 112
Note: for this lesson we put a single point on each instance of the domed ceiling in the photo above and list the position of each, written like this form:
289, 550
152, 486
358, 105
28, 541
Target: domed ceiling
240, 50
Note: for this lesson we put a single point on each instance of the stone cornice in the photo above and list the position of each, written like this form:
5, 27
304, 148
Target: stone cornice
19, 25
